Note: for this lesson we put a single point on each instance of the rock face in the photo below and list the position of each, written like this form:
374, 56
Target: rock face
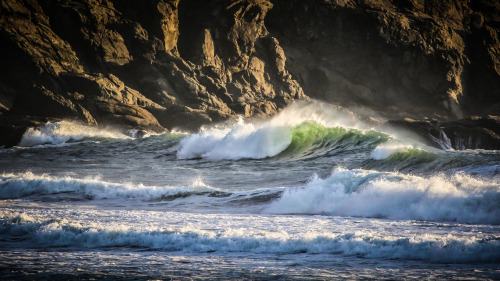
161, 64
469, 133
394, 58
134, 64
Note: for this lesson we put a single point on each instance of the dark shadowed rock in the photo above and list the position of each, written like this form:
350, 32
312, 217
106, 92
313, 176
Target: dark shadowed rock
405, 58
151, 64
13, 128
162, 64
468, 133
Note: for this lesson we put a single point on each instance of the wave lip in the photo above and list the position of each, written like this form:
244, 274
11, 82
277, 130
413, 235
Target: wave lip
363, 193
62, 233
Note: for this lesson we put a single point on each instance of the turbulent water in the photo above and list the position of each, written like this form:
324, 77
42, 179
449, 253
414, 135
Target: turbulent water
309, 194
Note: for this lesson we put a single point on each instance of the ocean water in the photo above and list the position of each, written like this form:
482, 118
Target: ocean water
310, 194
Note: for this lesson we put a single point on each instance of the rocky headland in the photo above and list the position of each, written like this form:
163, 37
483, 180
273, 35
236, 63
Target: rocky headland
163, 64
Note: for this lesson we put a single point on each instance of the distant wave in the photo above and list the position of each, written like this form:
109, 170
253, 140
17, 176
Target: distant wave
62, 233
398, 151
28, 184
66, 131
363, 193
311, 139
299, 128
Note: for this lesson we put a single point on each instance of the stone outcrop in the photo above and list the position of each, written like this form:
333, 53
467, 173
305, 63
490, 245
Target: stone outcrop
154, 64
394, 58
469, 133
163, 64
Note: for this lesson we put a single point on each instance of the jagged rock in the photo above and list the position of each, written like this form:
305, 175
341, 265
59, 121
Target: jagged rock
469, 133
27, 27
42, 102
405, 58
13, 128
243, 63
163, 64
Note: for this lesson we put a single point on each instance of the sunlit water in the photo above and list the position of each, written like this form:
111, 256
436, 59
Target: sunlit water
309, 194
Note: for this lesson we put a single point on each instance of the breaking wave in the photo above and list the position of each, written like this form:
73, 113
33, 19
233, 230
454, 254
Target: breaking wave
63, 233
362, 193
53, 189
241, 141
459, 198
250, 141
311, 139
296, 131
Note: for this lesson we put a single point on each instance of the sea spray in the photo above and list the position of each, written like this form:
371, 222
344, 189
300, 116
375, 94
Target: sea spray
459, 198
242, 141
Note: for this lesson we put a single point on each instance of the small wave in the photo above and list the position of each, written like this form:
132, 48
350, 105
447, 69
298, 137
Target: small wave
63, 233
49, 188
395, 156
65, 131
21, 185
311, 139
413, 155
385, 150
459, 197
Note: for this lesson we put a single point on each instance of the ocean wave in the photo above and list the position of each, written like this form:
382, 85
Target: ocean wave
388, 149
311, 139
66, 131
63, 233
298, 128
27, 184
254, 141
46, 187
364, 193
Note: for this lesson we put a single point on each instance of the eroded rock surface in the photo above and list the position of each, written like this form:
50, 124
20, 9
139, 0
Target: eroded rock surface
134, 64
469, 133
394, 59
161, 64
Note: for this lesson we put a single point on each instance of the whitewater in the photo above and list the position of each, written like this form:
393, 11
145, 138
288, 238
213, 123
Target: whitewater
311, 193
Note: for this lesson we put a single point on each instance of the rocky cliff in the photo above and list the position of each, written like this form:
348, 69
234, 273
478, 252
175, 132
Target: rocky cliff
394, 58
149, 64
162, 64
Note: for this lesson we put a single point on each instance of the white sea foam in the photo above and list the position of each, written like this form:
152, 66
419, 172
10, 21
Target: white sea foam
25, 184
231, 234
241, 141
65, 131
459, 197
